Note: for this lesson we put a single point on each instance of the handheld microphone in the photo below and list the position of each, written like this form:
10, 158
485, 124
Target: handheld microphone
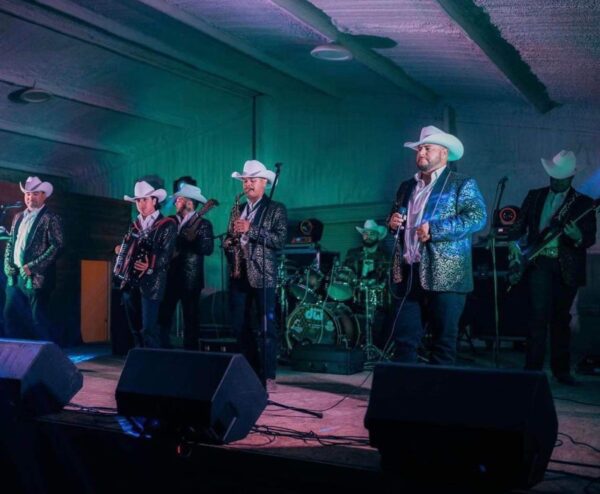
402, 211
503, 180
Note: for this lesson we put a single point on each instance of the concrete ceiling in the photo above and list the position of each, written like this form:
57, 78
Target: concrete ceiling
125, 73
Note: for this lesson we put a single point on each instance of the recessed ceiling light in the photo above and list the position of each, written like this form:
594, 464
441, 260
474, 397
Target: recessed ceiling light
331, 53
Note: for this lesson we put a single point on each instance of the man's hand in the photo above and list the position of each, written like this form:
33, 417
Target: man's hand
142, 266
396, 221
25, 271
241, 226
573, 232
423, 232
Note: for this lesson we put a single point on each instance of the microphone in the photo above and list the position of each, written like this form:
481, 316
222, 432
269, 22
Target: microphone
503, 180
278, 166
402, 211
17, 204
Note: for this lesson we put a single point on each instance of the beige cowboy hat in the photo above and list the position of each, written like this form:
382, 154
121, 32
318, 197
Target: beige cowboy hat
371, 225
190, 192
563, 165
255, 169
144, 189
433, 135
34, 184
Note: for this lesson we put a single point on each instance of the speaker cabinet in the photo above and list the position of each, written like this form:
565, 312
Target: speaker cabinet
216, 394
470, 426
36, 377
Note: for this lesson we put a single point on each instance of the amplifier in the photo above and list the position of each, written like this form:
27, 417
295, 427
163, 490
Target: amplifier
329, 359
223, 345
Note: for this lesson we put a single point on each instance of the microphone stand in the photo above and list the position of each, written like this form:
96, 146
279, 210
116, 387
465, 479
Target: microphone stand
263, 377
492, 245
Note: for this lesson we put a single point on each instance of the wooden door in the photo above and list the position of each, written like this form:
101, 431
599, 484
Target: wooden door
95, 300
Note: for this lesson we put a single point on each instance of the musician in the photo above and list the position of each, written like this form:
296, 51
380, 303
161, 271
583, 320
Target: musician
252, 256
36, 240
369, 261
150, 243
431, 269
556, 274
185, 277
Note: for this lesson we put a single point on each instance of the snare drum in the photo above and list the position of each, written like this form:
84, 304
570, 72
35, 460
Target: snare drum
332, 324
341, 287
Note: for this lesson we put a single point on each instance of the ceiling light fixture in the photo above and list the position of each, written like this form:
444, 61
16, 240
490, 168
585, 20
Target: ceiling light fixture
331, 53
35, 95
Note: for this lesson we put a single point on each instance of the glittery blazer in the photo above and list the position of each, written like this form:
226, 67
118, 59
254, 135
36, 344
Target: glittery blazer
273, 234
455, 210
44, 244
572, 258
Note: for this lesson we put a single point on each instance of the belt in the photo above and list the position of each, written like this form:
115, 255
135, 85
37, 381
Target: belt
551, 252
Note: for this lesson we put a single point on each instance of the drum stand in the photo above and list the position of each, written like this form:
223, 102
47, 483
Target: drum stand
372, 352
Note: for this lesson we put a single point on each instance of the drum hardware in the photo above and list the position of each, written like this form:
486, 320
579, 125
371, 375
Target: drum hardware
373, 297
304, 287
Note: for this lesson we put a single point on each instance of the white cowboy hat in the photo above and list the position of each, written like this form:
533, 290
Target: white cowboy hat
563, 165
371, 225
34, 184
433, 135
190, 192
255, 169
144, 189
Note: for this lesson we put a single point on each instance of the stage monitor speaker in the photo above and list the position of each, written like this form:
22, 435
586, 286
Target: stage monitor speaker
474, 427
36, 378
218, 395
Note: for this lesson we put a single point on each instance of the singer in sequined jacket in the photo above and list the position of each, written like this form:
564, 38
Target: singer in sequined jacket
44, 244
455, 211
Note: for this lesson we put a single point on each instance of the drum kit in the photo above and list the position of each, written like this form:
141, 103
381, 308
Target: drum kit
333, 309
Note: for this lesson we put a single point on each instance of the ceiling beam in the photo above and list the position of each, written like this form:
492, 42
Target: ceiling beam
54, 137
76, 22
317, 20
237, 44
476, 23
77, 95
36, 169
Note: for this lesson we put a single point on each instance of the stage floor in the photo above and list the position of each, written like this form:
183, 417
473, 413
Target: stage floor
343, 401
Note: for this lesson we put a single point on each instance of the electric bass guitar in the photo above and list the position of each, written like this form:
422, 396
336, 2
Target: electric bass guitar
518, 266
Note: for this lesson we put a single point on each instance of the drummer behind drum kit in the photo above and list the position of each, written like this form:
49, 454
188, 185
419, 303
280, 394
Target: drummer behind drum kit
325, 310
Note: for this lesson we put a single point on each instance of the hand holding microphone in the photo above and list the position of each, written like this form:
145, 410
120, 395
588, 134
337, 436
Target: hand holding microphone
397, 220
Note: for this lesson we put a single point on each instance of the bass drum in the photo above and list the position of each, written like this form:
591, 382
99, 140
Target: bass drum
325, 324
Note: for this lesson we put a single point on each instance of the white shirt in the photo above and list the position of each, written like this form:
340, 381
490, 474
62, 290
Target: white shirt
29, 217
149, 220
414, 216
248, 213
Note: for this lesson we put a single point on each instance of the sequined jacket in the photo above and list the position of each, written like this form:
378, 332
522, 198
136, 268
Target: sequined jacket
44, 244
572, 259
193, 242
455, 210
273, 234
161, 237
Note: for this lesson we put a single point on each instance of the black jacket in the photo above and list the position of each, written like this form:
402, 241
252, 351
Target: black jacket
572, 259
273, 235
194, 241
44, 244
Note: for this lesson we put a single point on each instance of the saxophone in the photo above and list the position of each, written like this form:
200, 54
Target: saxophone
233, 244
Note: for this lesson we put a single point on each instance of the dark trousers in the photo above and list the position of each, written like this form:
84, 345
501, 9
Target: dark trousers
551, 302
190, 304
26, 313
243, 298
413, 306
142, 317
